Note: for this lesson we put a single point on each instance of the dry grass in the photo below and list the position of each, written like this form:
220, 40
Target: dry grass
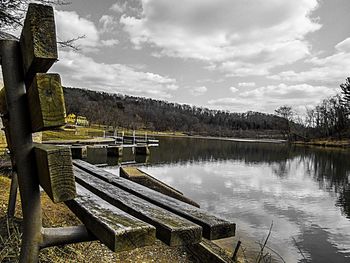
55, 215
62, 134
331, 143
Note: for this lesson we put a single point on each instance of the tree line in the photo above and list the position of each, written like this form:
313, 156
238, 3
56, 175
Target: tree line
330, 118
144, 113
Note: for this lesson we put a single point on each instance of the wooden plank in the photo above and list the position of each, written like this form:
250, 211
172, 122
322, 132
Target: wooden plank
38, 40
136, 175
213, 226
133, 172
3, 104
208, 252
116, 229
46, 102
84, 142
171, 229
55, 171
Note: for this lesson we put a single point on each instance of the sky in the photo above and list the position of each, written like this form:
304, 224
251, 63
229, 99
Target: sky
234, 55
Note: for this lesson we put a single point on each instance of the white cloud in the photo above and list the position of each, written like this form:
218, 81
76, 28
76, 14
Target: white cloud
268, 98
118, 7
81, 71
234, 89
246, 84
110, 42
107, 24
129, 8
197, 91
225, 102
70, 25
330, 69
230, 104
343, 46
292, 92
249, 36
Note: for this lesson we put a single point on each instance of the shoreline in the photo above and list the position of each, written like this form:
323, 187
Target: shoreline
223, 138
324, 143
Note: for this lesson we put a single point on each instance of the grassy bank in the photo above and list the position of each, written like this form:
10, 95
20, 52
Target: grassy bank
337, 143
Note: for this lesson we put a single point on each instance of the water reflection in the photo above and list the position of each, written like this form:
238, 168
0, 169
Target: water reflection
304, 191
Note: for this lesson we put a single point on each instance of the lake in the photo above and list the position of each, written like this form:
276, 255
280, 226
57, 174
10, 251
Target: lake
304, 192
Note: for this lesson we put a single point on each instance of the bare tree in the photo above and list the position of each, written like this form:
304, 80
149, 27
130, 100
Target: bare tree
12, 14
287, 113
345, 87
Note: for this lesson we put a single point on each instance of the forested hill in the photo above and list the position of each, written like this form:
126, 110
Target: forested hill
143, 113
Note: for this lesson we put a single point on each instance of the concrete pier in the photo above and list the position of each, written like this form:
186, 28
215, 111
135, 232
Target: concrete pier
114, 150
96, 154
142, 150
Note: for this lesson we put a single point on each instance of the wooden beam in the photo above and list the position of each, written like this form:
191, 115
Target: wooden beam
171, 229
38, 40
118, 230
55, 171
3, 104
136, 175
213, 227
208, 252
46, 102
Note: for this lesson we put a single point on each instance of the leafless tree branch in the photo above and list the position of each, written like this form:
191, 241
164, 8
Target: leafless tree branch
71, 43
12, 13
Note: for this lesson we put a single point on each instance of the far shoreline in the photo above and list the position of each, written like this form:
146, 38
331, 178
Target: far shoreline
222, 138
322, 143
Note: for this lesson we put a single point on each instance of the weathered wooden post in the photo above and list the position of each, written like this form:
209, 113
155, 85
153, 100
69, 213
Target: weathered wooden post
34, 102
14, 179
46, 102
20, 133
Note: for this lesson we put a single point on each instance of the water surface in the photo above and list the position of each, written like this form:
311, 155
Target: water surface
305, 192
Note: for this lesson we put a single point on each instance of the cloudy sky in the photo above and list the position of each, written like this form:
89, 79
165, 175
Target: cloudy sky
235, 55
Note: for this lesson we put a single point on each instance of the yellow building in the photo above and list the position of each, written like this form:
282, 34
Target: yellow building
77, 120
71, 118
82, 121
